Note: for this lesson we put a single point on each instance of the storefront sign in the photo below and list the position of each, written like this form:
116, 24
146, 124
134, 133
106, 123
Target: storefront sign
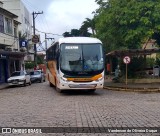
23, 43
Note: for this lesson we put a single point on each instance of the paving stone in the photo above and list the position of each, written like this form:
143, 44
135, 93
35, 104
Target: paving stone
39, 105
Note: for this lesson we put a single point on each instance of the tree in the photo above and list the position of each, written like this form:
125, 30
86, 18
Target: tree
76, 33
127, 23
84, 31
89, 23
66, 34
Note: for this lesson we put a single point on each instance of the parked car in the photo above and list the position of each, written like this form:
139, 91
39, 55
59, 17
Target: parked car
37, 76
19, 78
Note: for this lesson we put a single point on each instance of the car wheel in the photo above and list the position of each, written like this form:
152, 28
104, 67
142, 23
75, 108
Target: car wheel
40, 80
24, 84
30, 82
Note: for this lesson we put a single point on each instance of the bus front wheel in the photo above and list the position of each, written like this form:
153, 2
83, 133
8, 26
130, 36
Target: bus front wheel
50, 84
91, 90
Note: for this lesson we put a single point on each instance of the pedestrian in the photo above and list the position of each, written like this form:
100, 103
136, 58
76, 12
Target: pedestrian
35, 67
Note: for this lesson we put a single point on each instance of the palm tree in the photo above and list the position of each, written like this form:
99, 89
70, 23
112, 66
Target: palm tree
89, 23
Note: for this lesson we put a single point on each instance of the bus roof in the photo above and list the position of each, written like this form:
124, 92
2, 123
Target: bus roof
78, 40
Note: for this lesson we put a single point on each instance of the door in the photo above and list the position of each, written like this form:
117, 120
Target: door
2, 71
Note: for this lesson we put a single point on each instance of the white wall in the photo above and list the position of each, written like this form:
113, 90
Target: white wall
18, 8
8, 40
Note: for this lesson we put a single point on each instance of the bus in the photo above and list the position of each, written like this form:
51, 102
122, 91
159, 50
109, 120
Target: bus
75, 63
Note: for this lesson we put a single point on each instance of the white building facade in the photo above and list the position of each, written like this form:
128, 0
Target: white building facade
24, 16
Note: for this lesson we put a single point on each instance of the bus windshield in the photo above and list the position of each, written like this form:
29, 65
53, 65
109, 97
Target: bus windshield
81, 57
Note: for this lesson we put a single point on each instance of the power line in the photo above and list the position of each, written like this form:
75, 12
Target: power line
48, 33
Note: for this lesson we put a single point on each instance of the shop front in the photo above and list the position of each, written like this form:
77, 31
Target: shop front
3, 69
10, 62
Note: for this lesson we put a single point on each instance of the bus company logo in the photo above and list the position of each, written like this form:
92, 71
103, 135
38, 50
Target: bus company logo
71, 47
6, 131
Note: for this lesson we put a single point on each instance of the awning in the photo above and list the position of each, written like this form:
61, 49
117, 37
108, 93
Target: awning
12, 54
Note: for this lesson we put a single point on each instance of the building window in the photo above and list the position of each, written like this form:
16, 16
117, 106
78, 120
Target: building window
15, 31
1, 24
8, 25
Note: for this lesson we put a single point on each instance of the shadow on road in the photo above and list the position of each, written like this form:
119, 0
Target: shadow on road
79, 92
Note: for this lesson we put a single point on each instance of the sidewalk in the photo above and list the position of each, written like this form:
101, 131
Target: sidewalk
139, 87
3, 85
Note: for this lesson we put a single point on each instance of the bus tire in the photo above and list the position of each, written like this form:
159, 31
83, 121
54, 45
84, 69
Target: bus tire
50, 84
91, 90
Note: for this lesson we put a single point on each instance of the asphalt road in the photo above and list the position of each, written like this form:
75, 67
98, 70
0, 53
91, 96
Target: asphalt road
39, 105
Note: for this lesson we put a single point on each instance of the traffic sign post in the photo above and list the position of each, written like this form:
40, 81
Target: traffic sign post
35, 39
126, 60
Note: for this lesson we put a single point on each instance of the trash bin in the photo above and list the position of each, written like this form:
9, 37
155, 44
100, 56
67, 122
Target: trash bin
156, 70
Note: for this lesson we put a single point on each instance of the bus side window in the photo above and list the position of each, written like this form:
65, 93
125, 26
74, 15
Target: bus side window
54, 52
57, 53
50, 54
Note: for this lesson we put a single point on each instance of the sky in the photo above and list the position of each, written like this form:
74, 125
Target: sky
60, 16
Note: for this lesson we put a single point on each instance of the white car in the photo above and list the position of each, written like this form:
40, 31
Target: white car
19, 78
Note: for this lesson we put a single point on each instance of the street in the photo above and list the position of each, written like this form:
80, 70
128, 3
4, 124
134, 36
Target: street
39, 105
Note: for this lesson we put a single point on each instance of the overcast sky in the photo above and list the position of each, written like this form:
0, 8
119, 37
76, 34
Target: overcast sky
61, 15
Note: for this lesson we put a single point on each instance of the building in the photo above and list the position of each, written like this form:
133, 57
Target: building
11, 59
25, 18
150, 44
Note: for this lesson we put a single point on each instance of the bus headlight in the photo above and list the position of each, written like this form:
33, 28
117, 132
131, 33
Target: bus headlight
99, 79
63, 79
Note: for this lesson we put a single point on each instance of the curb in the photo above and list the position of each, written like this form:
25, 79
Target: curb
132, 89
1, 88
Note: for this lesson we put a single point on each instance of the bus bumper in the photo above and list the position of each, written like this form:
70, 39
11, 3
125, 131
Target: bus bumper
64, 85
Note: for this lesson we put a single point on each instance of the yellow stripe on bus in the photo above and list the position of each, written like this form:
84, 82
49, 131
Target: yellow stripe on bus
94, 78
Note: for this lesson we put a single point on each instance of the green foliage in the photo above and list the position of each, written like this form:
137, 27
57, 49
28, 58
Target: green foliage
29, 65
150, 62
135, 68
40, 60
157, 62
75, 32
126, 23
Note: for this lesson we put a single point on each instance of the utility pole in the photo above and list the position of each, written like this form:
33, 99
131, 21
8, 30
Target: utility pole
35, 14
46, 46
46, 40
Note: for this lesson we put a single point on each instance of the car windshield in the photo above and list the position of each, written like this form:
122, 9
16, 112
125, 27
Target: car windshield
17, 73
81, 57
35, 73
